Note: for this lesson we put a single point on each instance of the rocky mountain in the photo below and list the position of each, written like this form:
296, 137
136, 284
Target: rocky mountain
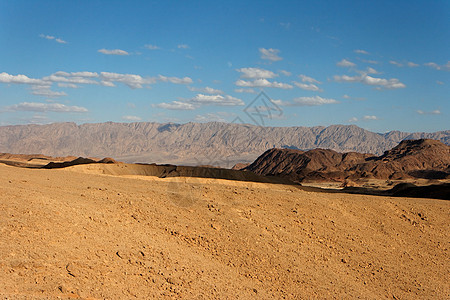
214, 143
422, 158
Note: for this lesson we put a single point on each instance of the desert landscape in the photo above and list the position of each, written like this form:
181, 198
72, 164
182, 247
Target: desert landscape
224, 150
76, 228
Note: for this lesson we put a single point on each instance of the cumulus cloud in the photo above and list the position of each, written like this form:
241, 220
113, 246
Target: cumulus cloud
68, 85
308, 79
434, 112
307, 101
285, 73
176, 80
137, 81
46, 107
256, 73
151, 47
46, 92
411, 64
381, 83
263, 83
308, 86
359, 51
270, 54
77, 74
216, 100
346, 64
50, 37
211, 117
176, 105
20, 79
131, 80
71, 78
205, 90
353, 119
368, 118
131, 118
249, 91
113, 52
183, 46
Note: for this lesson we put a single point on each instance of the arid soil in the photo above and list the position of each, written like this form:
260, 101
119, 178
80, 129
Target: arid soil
75, 233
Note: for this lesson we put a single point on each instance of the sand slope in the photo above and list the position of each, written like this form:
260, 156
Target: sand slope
68, 234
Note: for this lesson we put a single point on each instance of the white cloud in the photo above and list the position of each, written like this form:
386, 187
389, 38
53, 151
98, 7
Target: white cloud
434, 112
205, 90
69, 78
45, 107
176, 80
131, 80
210, 117
113, 52
50, 37
308, 79
285, 73
131, 118
216, 100
440, 82
353, 119
183, 46
263, 83
411, 64
68, 85
359, 51
370, 70
256, 73
353, 98
60, 41
176, 105
438, 67
368, 118
77, 74
346, 64
152, 47
308, 86
20, 79
392, 83
46, 92
250, 91
270, 54
307, 101
395, 63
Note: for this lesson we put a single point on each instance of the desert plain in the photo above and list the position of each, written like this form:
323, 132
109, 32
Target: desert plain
85, 232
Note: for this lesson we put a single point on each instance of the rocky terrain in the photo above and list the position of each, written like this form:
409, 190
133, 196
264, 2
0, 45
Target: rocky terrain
423, 158
216, 144
96, 231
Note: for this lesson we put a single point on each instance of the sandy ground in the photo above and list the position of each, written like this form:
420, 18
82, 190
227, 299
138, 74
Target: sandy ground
68, 234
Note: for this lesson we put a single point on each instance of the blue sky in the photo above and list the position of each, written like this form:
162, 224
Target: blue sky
382, 65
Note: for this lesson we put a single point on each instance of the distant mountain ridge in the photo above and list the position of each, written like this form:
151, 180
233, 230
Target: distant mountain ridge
214, 143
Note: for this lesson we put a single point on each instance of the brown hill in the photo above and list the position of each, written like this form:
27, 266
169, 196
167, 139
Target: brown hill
218, 144
413, 158
66, 234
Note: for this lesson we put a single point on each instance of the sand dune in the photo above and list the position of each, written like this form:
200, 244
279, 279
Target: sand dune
75, 233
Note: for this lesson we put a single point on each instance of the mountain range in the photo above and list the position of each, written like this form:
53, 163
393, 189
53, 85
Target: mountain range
214, 143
